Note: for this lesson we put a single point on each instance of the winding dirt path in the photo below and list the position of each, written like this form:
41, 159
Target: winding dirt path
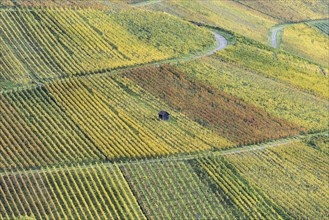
274, 37
275, 30
147, 2
222, 44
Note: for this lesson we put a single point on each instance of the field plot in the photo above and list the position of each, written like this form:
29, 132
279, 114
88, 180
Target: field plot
117, 120
35, 131
226, 115
273, 96
308, 42
226, 14
203, 188
290, 10
166, 33
181, 133
248, 201
75, 192
43, 44
279, 65
123, 122
295, 176
174, 192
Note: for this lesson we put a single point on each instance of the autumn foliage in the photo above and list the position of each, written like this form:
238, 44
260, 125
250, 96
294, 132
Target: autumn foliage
229, 116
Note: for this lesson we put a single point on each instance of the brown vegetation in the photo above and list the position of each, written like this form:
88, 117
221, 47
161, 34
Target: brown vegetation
229, 116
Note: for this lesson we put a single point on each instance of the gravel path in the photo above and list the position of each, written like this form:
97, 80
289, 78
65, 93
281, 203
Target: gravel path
222, 43
274, 36
149, 2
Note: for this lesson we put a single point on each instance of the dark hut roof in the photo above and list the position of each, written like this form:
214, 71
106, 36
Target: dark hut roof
164, 115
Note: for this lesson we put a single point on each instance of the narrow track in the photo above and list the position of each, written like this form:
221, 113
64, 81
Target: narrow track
147, 2
221, 44
275, 30
238, 150
274, 37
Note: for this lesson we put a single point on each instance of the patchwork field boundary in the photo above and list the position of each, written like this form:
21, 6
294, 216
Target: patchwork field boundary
219, 44
179, 157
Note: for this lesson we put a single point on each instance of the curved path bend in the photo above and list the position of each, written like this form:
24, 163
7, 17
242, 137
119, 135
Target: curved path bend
222, 44
277, 28
274, 36
147, 2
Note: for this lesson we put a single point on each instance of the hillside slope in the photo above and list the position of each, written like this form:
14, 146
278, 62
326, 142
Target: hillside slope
306, 41
42, 44
279, 83
226, 14
82, 84
287, 182
290, 10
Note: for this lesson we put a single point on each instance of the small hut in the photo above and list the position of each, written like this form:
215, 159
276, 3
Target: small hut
163, 115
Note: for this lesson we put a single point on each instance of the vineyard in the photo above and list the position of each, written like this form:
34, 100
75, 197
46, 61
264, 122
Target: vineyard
228, 116
279, 65
182, 41
254, 184
82, 84
290, 10
35, 131
45, 44
323, 26
295, 176
118, 121
313, 44
280, 99
99, 4
319, 142
226, 14
74, 192
198, 192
